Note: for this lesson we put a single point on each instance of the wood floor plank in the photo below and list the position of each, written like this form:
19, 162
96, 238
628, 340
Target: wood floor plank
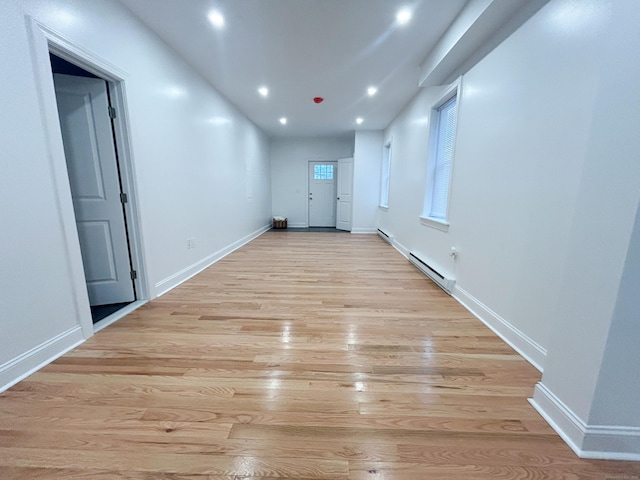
281, 361
449, 411
35, 473
176, 463
143, 443
412, 471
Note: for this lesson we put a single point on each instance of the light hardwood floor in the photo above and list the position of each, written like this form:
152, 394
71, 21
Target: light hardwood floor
303, 356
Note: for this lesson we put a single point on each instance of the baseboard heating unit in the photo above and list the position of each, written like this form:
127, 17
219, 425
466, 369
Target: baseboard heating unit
385, 236
443, 282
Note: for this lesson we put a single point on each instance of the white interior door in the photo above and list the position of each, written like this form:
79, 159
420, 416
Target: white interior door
345, 193
322, 194
83, 109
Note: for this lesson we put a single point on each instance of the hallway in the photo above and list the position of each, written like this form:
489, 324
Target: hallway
301, 356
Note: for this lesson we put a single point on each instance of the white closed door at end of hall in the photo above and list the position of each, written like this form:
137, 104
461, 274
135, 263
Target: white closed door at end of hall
89, 148
322, 194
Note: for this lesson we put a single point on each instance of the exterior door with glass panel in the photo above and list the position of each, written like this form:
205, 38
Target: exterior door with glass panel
322, 194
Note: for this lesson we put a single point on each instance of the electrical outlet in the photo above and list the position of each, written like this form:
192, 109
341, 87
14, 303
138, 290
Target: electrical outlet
191, 243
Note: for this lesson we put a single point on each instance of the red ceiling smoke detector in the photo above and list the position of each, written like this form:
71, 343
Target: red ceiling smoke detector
318, 100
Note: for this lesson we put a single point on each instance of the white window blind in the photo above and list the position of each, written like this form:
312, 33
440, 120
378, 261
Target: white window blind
447, 115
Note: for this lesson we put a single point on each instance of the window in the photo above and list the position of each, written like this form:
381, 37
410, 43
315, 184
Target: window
441, 147
386, 171
323, 172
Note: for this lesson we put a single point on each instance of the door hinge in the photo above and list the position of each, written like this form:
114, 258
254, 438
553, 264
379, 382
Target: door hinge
112, 112
123, 198
134, 274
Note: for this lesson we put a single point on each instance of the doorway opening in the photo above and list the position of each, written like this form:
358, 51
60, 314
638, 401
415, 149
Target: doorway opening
330, 194
88, 122
323, 188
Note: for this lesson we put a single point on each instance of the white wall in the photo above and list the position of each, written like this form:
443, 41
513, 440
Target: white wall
367, 163
408, 134
192, 154
32, 261
545, 190
619, 377
593, 354
524, 118
290, 159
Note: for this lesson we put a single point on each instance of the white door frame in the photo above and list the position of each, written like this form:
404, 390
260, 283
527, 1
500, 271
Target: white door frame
44, 41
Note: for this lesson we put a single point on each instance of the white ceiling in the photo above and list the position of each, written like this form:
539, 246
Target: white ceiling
301, 49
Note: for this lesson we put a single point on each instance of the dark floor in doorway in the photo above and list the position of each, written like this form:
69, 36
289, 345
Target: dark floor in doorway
310, 229
98, 312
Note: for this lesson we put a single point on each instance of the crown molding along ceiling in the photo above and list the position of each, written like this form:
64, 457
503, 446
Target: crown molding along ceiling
365, 59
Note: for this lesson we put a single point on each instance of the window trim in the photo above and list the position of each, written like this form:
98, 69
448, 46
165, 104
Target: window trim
454, 90
387, 145
436, 223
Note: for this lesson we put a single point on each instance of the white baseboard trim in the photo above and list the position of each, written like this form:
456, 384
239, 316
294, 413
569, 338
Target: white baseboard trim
601, 442
297, 225
534, 353
33, 360
521, 343
185, 274
404, 251
587, 441
559, 416
364, 230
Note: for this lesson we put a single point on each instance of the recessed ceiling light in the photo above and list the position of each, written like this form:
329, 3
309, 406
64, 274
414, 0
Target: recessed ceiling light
216, 18
403, 16
264, 91
283, 120
372, 91
359, 120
